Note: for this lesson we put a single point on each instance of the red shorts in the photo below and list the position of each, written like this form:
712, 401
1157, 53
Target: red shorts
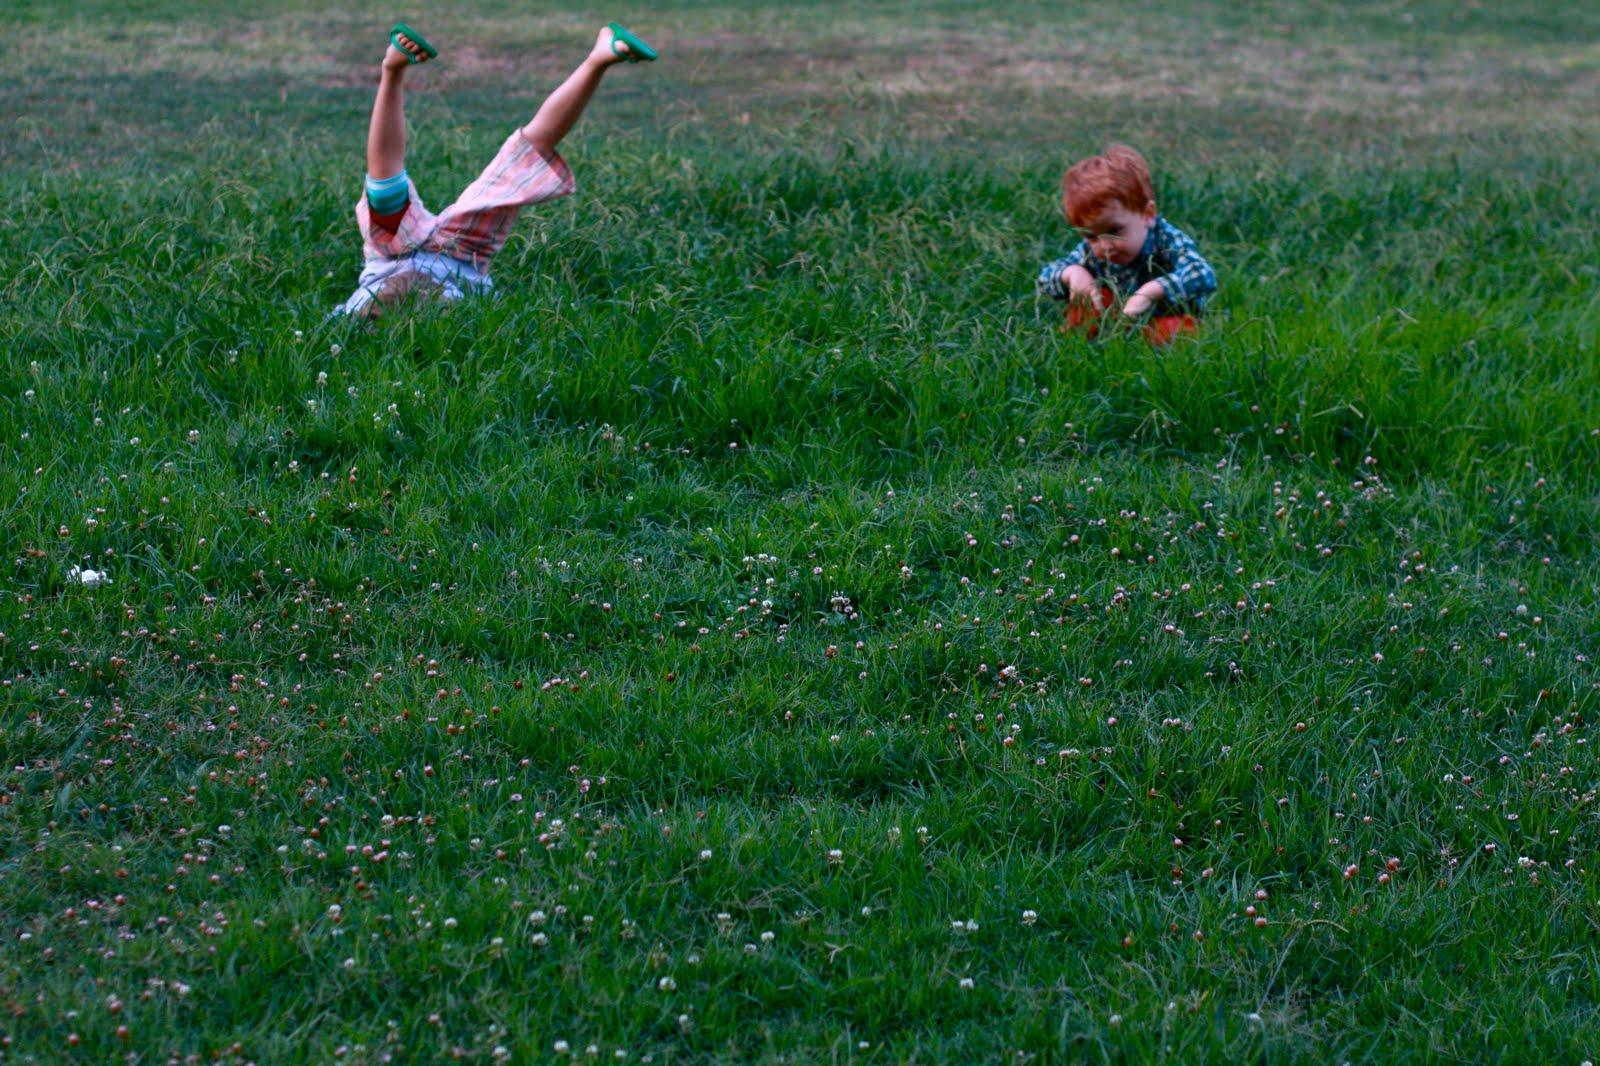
1159, 330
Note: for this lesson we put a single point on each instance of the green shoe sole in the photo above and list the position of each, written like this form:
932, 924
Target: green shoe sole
415, 38
637, 51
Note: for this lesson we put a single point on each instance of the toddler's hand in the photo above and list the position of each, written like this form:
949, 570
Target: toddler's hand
1138, 305
1144, 299
1081, 287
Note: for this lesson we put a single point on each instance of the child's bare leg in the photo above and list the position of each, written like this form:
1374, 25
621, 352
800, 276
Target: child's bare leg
388, 188
560, 110
386, 132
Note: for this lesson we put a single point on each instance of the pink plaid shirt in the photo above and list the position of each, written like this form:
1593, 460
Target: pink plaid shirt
448, 254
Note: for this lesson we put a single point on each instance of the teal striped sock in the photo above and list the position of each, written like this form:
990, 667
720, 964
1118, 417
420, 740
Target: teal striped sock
385, 196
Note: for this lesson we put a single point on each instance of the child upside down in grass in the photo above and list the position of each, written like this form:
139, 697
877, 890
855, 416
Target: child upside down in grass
407, 247
1129, 253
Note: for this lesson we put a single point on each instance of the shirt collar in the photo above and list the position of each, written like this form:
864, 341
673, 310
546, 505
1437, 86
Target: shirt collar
1151, 240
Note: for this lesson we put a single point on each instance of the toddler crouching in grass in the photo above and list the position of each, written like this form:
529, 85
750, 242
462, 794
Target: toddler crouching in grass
1129, 254
408, 248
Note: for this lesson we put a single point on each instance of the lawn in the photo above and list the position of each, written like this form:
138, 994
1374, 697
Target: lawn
757, 633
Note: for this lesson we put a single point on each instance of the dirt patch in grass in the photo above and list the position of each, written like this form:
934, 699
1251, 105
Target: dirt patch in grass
1187, 78
1458, 92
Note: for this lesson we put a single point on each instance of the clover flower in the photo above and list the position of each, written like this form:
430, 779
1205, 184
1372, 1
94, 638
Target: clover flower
89, 579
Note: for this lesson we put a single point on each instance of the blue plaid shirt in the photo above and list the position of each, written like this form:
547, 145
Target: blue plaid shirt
1169, 255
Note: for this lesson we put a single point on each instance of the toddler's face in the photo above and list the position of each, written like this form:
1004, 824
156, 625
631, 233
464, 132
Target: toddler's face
1117, 233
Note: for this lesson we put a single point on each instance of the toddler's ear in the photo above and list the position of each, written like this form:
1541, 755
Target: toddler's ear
1149, 211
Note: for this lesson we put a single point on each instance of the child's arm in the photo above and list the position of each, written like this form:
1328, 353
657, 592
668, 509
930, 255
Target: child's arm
1189, 282
1053, 280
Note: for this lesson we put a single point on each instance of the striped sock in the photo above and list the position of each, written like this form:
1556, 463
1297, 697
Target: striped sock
388, 196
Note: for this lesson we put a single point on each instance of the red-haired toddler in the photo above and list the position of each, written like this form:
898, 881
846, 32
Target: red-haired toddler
1130, 259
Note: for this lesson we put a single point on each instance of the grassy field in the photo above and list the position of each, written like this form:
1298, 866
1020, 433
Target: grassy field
758, 634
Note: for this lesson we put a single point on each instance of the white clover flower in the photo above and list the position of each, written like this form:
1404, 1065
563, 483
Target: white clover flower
89, 579
667, 984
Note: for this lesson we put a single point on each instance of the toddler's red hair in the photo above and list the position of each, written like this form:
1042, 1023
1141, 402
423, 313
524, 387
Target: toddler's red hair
1120, 176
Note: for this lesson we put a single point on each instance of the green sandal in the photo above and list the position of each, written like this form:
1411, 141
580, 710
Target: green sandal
637, 51
415, 38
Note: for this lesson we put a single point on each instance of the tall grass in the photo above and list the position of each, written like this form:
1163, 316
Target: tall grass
757, 633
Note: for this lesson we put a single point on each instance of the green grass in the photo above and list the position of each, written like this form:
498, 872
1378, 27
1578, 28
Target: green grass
762, 561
